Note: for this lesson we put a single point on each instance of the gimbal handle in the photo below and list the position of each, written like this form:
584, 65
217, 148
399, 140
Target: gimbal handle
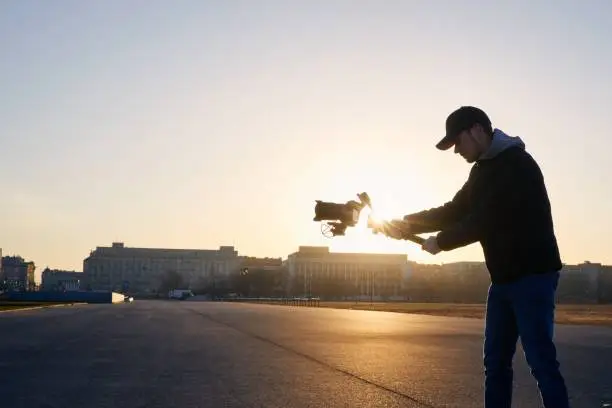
408, 237
415, 239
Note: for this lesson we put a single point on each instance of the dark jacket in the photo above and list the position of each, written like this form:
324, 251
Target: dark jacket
503, 205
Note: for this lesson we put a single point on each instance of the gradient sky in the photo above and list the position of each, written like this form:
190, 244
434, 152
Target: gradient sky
194, 124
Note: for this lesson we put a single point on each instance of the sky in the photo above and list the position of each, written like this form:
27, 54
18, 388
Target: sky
196, 124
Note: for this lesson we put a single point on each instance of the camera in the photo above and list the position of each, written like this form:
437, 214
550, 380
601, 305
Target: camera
341, 216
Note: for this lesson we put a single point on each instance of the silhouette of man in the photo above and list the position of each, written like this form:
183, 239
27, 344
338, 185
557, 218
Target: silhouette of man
503, 205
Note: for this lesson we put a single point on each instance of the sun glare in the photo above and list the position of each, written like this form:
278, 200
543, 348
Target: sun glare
360, 238
378, 214
374, 219
388, 203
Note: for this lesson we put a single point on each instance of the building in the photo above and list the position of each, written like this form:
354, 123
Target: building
157, 270
259, 277
255, 263
315, 271
17, 274
59, 280
604, 285
463, 282
580, 283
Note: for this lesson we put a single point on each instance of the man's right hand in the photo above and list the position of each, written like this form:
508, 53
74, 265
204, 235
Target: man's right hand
396, 229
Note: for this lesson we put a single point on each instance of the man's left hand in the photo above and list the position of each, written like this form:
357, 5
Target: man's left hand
431, 245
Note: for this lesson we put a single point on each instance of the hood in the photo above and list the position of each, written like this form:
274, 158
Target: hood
501, 141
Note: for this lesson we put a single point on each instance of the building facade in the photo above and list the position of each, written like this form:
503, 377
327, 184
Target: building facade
580, 283
468, 282
264, 264
60, 280
604, 285
315, 271
157, 270
17, 274
311, 271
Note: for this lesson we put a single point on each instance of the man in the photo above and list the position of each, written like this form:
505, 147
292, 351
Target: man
503, 205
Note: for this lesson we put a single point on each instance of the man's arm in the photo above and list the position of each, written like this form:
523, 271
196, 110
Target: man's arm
501, 199
439, 218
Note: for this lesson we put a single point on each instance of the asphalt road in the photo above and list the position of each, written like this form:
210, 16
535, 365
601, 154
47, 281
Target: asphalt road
201, 354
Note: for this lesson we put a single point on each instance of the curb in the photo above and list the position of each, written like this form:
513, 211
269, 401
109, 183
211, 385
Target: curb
40, 307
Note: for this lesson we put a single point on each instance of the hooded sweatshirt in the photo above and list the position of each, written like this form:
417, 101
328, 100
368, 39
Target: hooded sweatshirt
503, 205
501, 141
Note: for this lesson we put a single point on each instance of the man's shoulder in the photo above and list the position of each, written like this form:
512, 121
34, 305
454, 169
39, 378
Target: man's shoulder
515, 155
518, 163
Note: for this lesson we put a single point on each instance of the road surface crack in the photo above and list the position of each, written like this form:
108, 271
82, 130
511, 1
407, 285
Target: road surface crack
315, 360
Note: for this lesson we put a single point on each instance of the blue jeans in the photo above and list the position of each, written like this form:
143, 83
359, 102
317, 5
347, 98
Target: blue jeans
524, 308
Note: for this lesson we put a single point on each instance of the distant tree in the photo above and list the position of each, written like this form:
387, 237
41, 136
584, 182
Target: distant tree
170, 280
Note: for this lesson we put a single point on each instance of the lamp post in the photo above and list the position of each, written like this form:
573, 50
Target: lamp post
310, 283
244, 272
371, 287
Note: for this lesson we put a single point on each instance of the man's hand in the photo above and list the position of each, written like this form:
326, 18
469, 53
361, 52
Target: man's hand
396, 229
431, 245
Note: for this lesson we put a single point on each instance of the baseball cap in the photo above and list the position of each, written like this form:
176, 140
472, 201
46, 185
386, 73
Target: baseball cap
461, 119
